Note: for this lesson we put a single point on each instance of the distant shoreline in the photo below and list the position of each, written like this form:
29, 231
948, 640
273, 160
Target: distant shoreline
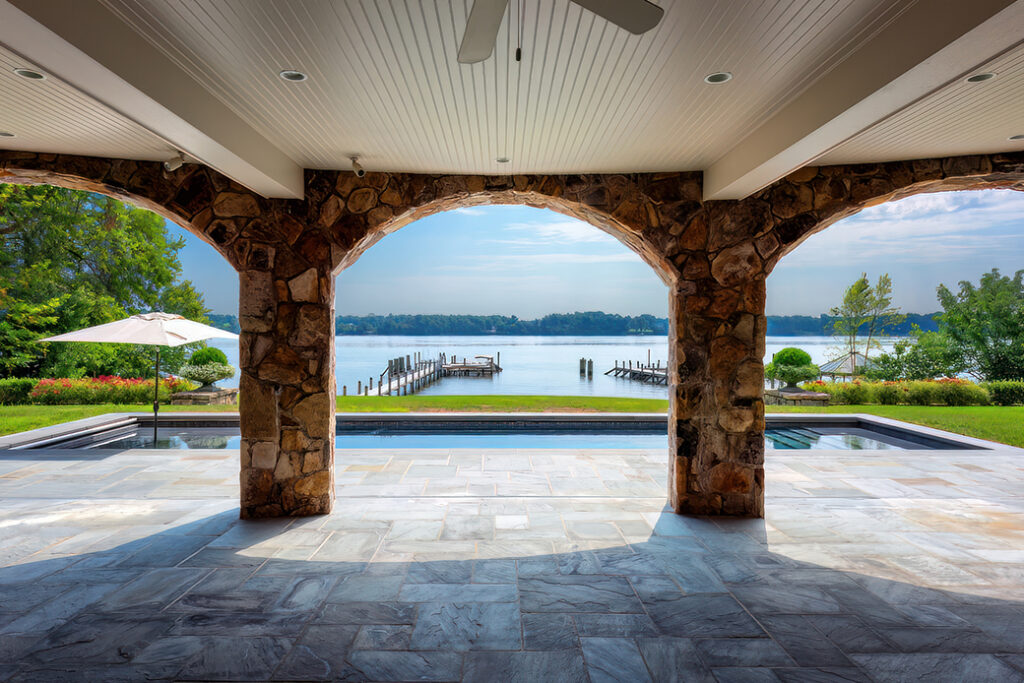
579, 324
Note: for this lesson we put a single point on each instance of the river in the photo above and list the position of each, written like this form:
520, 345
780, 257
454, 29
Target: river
532, 365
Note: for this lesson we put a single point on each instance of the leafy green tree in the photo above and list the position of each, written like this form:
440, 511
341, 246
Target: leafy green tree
881, 315
850, 317
985, 324
101, 260
925, 355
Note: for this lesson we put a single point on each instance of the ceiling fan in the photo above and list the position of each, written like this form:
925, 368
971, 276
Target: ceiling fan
636, 16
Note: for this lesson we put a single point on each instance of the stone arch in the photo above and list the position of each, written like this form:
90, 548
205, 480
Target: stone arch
210, 206
813, 198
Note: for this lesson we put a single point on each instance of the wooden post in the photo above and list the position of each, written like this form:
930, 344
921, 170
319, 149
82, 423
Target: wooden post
359, 387
366, 390
590, 368
648, 356
344, 390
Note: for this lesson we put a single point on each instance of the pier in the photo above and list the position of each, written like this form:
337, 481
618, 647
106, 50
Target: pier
480, 366
648, 374
408, 374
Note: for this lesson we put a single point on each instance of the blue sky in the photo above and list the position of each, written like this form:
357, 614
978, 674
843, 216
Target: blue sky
530, 262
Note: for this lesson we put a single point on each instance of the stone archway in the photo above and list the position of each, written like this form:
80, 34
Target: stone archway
715, 256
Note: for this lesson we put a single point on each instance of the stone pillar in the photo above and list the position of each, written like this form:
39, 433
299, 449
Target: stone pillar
716, 415
287, 392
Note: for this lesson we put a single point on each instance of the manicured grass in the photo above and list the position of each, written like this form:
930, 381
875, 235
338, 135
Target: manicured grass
1004, 424
996, 423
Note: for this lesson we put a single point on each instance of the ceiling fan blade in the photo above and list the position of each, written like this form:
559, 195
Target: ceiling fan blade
636, 16
481, 30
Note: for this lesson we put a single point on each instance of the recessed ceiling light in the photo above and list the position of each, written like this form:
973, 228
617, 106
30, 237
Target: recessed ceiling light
1017, 137
30, 74
293, 75
4, 134
980, 78
502, 160
718, 77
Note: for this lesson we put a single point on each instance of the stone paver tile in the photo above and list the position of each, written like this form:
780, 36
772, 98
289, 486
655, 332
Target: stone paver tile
461, 626
236, 623
383, 637
726, 652
610, 594
366, 588
610, 660
99, 639
615, 625
367, 613
152, 591
803, 642
320, 655
903, 668
494, 571
440, 572
387, 665
717, 615
466, 592
744, 674
564, 666
549, 632
232, 659
674, 659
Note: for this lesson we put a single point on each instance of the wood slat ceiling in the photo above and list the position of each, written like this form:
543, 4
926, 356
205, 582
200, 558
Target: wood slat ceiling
587, 97
50, 116
962, 118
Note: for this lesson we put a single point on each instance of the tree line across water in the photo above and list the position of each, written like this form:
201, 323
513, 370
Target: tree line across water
590, 323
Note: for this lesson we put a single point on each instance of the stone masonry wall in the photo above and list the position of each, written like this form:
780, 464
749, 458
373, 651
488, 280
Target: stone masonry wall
714, 256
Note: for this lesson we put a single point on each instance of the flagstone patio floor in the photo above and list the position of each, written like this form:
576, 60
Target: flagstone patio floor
474, 565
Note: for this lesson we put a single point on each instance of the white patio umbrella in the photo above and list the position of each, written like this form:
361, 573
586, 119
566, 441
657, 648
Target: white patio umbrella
153, 329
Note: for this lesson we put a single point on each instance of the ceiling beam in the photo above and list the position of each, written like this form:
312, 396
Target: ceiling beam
928, 46
84, 44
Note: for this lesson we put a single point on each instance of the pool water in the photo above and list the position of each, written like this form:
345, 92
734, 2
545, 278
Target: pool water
785, 438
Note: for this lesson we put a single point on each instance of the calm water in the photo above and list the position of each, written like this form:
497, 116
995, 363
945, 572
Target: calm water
532, 365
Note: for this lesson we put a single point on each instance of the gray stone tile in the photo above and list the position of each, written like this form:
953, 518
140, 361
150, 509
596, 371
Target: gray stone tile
900, 668
236, 623
383, 637
805, 644
740, 674
366, 588
611, 594
467, 626
320, 655
440, 572
615, 625
850, 634
610, 660
381, 665
564, 666
704, 615
743, 652
152, 591
821, 674
98, 639
224, 658
367, 613
449, 592
549, 632
673, 659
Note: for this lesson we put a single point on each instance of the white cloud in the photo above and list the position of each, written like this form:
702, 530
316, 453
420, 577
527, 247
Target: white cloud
564, 231
498, 262
470, 211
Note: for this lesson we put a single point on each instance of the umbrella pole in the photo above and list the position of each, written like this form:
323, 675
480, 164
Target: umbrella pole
156, 395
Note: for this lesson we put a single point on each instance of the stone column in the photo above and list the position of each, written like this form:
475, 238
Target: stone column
716, 416
287, 391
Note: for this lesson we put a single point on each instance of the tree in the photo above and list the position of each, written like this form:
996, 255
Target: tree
881, 314
985, 324
101, 260
851, 316
925, 355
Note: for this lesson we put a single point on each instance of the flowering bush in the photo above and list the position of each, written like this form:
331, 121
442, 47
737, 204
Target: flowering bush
1006, 392
105, 389
950, 392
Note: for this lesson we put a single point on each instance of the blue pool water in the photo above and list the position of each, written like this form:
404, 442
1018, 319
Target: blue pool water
787, 438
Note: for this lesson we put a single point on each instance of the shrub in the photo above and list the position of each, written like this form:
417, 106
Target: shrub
206, 374
856, 392
792, 356
959, 392
921, 393
1007, 392
15, 390
833, 389
207, 355
106, 389
890, 393
794, 374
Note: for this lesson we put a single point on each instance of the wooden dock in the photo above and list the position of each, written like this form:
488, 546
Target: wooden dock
638, 372
480, 366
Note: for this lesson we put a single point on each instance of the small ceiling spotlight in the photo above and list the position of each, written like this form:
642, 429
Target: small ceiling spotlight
174, 163
502, 160
356, 168
718, 77
5, 134
30, 74
1017, 137
980, 78
293, 76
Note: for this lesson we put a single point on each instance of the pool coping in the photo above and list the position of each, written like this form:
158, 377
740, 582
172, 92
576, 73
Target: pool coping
40, 438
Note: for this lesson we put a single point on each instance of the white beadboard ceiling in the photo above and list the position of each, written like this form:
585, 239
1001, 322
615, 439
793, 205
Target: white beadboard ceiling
51, 116
587, 97
962, 118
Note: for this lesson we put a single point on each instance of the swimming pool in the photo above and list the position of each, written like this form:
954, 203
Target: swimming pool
776, 439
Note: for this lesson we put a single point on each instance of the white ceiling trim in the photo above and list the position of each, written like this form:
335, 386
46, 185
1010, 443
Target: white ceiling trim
85, 45
929, 46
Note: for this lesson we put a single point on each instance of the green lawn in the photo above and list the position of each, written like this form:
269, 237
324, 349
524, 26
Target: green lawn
1002, 424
